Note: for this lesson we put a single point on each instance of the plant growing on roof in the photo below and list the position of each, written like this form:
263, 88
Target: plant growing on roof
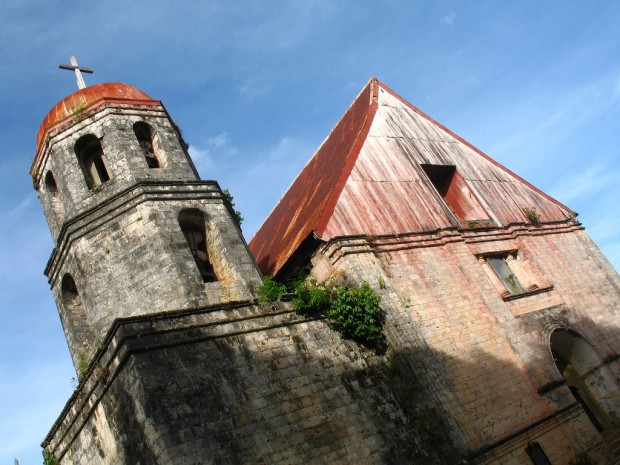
532, 215
82, 366
77, 111
179, 132
311, 297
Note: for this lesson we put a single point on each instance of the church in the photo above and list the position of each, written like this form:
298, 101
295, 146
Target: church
501, 316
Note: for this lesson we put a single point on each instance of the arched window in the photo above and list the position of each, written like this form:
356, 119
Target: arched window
52, 189
75, 322
92, 160
71, 300
578, 363
193, 224
50, 183
145, 136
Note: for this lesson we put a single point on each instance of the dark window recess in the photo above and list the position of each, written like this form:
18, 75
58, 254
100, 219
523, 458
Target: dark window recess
50, 183
144, 134
92, 160
74, 315
192, 224
505, 274
455, 192
537, 454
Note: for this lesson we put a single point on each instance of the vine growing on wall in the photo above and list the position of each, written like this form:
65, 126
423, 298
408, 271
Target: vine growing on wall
48, 458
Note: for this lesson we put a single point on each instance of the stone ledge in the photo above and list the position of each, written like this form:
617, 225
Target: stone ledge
533, 301
143, 333
143, 191
338, 247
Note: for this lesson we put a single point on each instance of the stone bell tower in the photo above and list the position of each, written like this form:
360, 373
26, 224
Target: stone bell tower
136, 231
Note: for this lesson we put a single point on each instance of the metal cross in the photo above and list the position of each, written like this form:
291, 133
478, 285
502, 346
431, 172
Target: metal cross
74, 66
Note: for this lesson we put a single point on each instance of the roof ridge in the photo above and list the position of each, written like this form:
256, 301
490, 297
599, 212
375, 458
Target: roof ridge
330, 204
472, 147
304, 207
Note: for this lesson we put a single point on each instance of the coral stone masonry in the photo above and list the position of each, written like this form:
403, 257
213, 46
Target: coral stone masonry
502, 317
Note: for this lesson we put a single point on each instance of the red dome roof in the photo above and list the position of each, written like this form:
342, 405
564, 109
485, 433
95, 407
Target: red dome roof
89, 97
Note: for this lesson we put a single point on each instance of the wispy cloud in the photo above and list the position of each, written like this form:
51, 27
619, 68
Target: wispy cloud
599, 177
24, 205
214, 156
559, 115
448, 20
220, 158
254, 88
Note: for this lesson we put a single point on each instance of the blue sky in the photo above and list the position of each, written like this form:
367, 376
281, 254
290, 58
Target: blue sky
257, 85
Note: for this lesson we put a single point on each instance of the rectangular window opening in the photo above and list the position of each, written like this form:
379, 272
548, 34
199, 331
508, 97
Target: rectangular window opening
505, 274
455, 192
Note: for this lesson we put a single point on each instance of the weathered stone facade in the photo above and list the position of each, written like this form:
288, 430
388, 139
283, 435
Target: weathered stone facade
178, 363
493, 291
238, 384
120, 241
488, 360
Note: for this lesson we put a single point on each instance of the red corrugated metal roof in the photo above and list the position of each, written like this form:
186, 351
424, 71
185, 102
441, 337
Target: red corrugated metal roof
308, 203
354, 185
86, 99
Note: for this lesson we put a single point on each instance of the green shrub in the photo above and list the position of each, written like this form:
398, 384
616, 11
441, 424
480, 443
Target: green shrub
532, 215
355, 313
311, 297
352, 311
270, 290
48, 458
231, 203
298, 276
82, 367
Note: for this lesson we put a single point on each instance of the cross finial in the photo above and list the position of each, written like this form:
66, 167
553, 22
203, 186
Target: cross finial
74, 66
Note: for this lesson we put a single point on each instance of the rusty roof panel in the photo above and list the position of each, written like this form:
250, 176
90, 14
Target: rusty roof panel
366, 179
315, 191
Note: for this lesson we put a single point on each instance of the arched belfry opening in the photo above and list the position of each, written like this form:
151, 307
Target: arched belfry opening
50, 183
193, 223
92, 160
584, 373
146, 139
51, 188
74, 318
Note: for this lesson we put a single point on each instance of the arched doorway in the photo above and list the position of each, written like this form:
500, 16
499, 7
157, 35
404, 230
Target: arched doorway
583, 371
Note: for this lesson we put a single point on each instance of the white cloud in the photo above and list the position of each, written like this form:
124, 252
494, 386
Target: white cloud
275, 167
215, 156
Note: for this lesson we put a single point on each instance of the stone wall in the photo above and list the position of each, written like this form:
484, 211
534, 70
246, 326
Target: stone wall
130, 257
486, 356
113, 126
241, 384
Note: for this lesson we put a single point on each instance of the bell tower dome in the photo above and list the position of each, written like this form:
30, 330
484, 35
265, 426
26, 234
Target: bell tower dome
135, 229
